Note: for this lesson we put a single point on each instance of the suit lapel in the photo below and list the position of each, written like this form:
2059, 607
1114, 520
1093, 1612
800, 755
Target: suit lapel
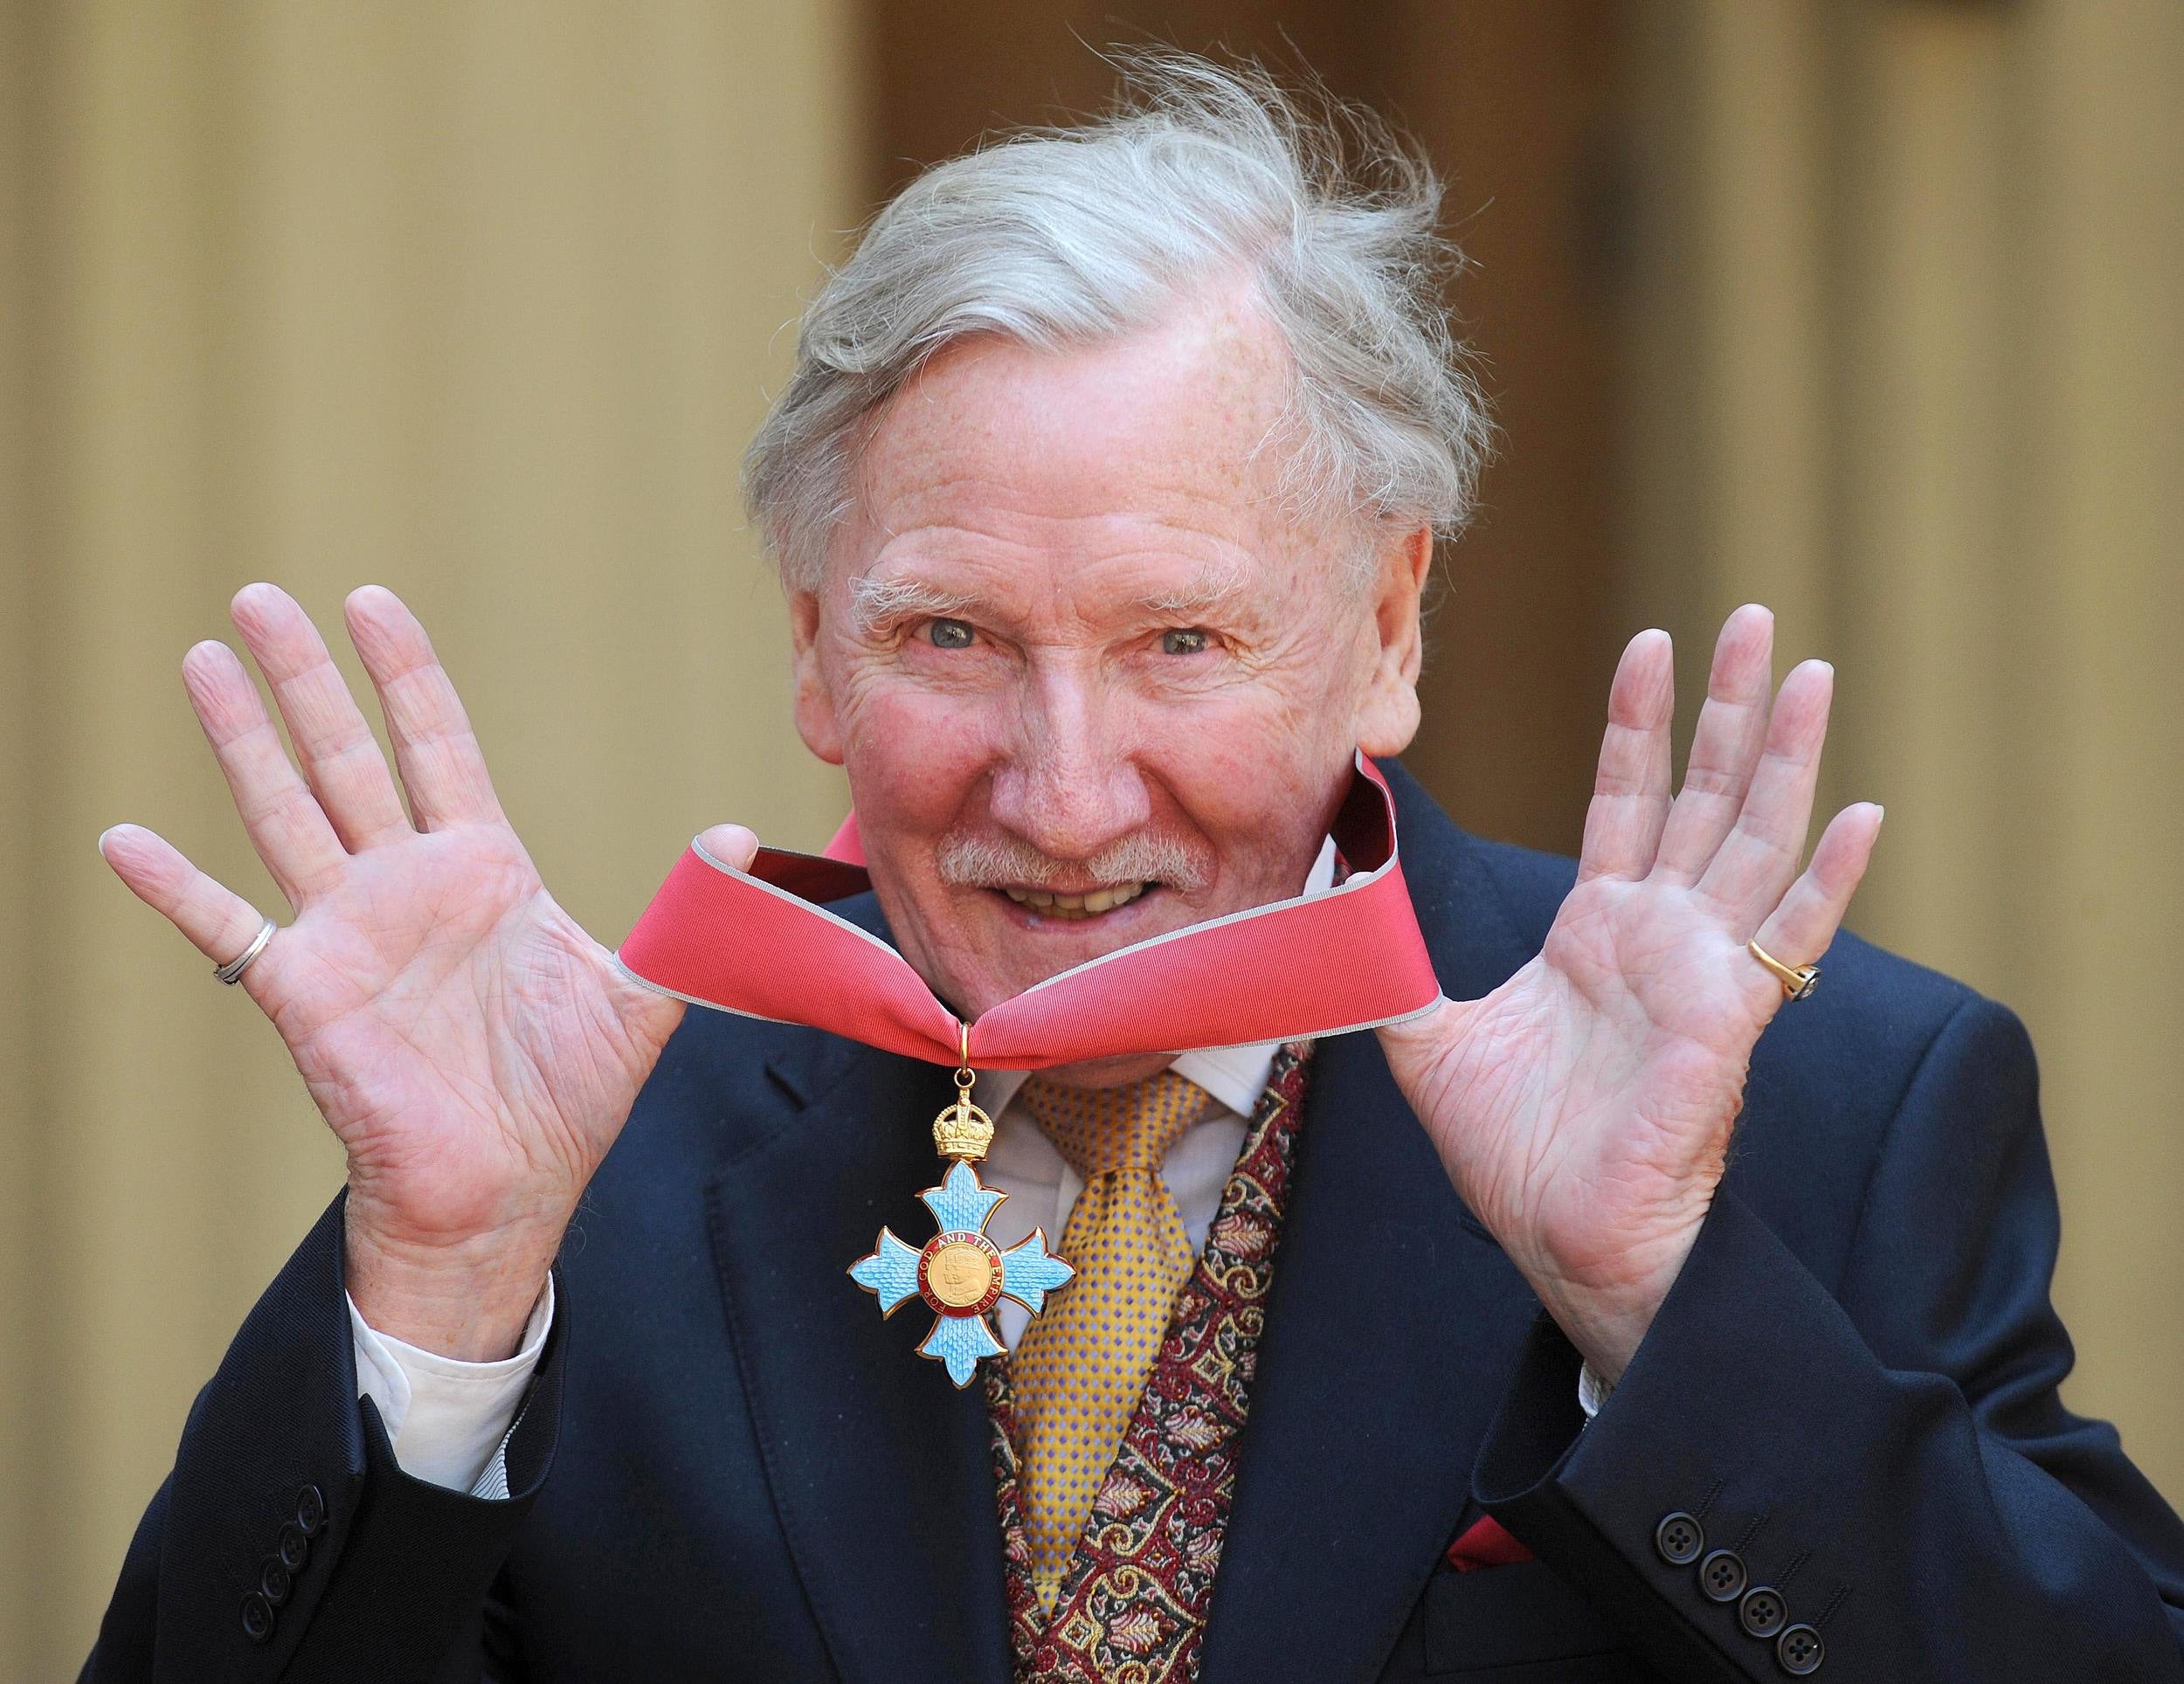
1392, 1328
879, 1467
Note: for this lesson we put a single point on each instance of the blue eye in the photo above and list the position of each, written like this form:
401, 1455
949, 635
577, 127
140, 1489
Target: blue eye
1184, 640
949, 634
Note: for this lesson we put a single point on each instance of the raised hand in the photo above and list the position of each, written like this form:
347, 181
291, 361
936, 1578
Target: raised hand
474, 1050
1584, 1108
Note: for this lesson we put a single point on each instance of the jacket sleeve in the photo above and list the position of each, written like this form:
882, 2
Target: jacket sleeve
1876, 1482
287, 1543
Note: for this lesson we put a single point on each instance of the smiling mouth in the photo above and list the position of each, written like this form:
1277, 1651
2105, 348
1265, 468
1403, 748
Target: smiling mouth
1078, 906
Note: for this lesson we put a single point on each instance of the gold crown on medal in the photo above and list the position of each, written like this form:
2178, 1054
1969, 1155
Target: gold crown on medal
963, 1130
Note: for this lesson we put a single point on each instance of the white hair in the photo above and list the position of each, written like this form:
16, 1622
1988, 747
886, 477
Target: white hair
1064, 237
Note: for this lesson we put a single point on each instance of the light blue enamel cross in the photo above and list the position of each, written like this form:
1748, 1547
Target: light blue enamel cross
959, 1274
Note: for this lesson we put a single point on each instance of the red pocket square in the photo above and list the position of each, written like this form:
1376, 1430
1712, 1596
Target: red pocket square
1486, 1544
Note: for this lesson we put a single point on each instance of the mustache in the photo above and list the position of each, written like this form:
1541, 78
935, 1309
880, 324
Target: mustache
990, 861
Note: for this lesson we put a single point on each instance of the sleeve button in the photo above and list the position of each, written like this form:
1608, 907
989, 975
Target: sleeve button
1679, 1538
257, 1617
293, 1549
1763, 1611
1721, 1576
311, 1510
275, 1582
1799, 1650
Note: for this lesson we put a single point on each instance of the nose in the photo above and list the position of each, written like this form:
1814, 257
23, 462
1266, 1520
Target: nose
1069, 786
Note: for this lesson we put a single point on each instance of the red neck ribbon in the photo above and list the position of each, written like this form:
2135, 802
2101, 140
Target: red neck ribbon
756, 943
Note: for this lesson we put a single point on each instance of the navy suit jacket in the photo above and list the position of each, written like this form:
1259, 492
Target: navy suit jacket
729, 1466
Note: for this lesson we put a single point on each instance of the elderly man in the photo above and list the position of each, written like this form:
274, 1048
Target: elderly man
1103, 495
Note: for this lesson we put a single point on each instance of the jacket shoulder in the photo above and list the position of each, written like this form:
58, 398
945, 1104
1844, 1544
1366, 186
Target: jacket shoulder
726, 1082
723, 1086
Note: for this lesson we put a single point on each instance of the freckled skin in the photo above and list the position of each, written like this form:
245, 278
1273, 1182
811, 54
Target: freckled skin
1062, 502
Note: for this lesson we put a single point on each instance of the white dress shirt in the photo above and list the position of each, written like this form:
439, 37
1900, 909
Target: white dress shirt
448, 1421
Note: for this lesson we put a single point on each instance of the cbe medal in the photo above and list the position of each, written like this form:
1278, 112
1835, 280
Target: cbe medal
960, 1273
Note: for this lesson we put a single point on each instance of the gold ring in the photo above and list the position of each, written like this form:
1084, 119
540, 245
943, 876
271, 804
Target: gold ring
1798, 981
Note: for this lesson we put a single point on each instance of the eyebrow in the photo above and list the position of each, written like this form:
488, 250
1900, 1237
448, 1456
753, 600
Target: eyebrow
1213, 584
874, 602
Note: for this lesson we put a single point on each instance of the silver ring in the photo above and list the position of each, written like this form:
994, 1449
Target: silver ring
233, 969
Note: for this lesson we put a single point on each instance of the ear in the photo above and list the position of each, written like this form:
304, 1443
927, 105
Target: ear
1387, 714
816, 719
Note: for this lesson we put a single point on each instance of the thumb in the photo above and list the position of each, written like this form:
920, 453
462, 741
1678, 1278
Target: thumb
732, 845
1416, 1044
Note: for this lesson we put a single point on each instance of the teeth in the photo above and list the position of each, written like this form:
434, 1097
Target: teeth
1078, 906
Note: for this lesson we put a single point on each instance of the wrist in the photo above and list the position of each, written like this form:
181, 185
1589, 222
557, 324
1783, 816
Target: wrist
1605, 1316
468, 1300
1606, 1337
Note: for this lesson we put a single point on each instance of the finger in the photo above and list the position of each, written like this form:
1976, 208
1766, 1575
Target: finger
285, 823
1760, 855
732, 845
1732, 726
215, 920
1630, 792
442, 767
343, 763
1799, 930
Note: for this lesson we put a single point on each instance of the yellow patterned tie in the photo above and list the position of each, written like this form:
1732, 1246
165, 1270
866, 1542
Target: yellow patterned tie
1080, 1367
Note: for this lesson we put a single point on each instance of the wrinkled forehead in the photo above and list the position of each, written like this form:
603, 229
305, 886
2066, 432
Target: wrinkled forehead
1182, 422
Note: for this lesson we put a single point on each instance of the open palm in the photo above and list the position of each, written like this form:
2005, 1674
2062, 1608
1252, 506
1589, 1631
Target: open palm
474, 1051
1584, 1108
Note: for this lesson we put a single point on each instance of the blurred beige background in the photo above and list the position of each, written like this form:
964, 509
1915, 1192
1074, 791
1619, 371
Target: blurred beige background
1867, 308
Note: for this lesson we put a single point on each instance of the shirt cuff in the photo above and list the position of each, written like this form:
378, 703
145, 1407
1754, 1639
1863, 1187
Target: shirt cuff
447, 1419
1591, 1392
